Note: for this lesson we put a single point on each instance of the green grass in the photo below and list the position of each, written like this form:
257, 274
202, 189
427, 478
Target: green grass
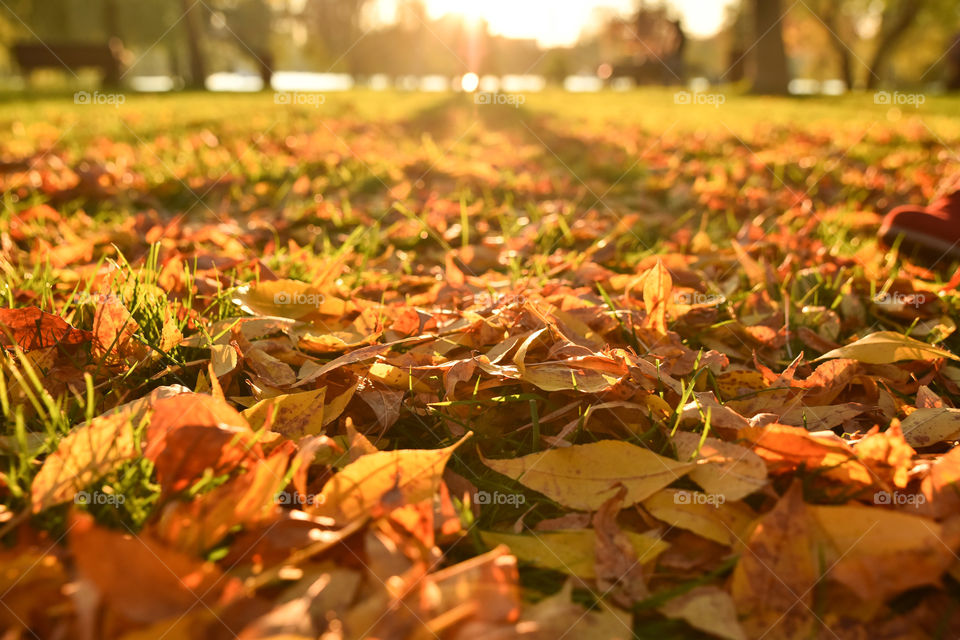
380, 187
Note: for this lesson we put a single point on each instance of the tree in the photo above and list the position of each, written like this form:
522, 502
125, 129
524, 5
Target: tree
829, 13
889, 23
897, 19
248, 26
193, 27
337, 22
770, 73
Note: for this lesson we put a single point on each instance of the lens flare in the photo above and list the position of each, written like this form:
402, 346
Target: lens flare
469, 82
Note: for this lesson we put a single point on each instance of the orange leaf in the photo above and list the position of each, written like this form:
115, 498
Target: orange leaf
138, 578
32, 328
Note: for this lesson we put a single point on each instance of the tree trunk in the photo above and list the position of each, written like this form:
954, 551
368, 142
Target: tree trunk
770, 73
889, 40
111, 26
198, 72
111, 19
844, 58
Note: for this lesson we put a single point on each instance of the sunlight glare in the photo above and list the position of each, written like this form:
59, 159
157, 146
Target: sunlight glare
469, 82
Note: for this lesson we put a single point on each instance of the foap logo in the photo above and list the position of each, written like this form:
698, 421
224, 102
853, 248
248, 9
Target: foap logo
297, 499
900, 299
484, 299
898, 498
85, 97
98, 497
513, 499
296, 297
510, 99
899, 99
692, 298
296, 98
695, 497
697, 97
96, 298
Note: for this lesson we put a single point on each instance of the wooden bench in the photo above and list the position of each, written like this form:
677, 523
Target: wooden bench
106, 57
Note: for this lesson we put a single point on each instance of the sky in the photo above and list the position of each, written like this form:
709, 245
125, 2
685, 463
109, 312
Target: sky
559, 22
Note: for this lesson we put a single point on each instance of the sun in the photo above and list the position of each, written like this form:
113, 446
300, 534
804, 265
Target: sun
550, 22
472, 12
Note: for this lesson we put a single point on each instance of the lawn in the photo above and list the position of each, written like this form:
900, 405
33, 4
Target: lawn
402, 365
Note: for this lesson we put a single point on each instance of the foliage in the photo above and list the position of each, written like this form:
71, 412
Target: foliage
421, 367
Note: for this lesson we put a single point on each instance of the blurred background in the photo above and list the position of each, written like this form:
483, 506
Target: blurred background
764, 46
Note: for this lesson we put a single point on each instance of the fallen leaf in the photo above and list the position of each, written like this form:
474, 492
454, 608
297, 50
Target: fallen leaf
31, 328
734, 471
585, 476
709, 516
139, 578
772, 584
377, 483
657, 286
879, 553
619, 573
192, 527
709, 609
557, 616
90, 451
786, 448
294, 414
884, 347
820, 418
571, 550
925, 427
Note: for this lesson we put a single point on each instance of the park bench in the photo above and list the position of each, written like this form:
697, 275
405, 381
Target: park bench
36, 55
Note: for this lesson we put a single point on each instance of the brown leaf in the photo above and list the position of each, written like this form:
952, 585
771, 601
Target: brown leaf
772, 584
617, 567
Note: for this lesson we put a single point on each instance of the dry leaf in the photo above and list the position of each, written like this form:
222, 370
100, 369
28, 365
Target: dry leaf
585, 476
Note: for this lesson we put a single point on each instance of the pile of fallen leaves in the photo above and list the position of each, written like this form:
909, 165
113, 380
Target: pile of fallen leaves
233, 435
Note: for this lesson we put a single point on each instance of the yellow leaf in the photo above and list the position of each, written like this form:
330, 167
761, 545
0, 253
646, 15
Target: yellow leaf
295, 414
90, 451
288, 299
708, 516
333, 409
396, 378
820, 418
170, 335
571, 551
272, 370
925, 427
585, 476
733, 384
377, 483
656, 296
734, 471
336, 341
708, 609
559, 377
224, 359
884, 347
